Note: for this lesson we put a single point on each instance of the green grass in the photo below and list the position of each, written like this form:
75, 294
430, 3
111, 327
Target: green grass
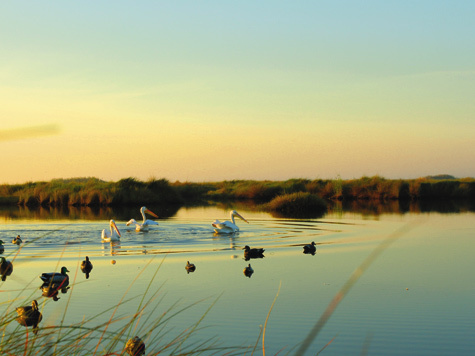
94, 192
297, 205
91, 337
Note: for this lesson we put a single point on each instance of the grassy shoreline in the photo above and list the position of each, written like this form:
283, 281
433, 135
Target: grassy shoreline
290, 197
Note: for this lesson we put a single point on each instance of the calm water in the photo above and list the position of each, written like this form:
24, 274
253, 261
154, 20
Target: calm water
416, 298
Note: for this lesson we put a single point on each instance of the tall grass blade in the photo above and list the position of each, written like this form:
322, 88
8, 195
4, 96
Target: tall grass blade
348, 285
267, 319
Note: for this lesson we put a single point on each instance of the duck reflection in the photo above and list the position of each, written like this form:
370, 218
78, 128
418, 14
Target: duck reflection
6, 268
310, 249
53, 282
135, 347
253, 253
248, 271
190, 267
86, 267
29, 316
51, 290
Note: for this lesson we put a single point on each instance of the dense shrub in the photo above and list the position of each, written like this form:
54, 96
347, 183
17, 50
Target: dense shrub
298, 205
131, 191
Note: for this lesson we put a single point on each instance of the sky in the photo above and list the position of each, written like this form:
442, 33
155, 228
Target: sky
219, 90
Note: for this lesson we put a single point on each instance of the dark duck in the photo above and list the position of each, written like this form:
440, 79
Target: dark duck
61, 280
86, 267
310, 248
17, 240
6, 268
190, 267
135, 347
253, 253
29, 316
2, 248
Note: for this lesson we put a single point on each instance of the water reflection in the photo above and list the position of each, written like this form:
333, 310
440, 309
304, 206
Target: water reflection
51, 290
248, 271
364, 207
114, 246
80, 213
376, 207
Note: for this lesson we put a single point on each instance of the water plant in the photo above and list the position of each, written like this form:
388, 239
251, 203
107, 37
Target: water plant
131, 191
94, 336
297, 205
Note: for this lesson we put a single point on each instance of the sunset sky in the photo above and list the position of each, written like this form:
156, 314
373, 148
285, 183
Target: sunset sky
220, 90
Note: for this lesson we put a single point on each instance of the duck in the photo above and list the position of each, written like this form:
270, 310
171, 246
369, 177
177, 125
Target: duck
60, 280
310, 248
248, 271
6, 268
190, 267
135, 347
2, 248
253, 253
29, 316
146, 223
86, 267
17, 240
112, 235
228, 227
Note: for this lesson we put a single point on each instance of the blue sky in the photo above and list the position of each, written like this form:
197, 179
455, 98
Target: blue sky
218, 90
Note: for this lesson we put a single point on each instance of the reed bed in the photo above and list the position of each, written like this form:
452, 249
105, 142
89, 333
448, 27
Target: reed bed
130, 191
297, 205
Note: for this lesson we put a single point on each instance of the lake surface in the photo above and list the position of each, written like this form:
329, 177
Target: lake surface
415, 298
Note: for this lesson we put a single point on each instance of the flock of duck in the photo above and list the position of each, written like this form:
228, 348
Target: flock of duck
54, 282
220, 227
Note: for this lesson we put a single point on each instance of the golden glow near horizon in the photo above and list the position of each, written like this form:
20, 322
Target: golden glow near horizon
255, 91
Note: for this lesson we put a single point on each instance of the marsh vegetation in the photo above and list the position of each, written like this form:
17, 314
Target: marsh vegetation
291, 197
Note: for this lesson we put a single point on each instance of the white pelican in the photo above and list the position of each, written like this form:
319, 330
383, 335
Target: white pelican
145, 223
228, 227
112, 235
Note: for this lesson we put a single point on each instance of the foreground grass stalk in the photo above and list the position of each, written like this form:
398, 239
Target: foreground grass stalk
326, 345
267, 319
199, 321
348, 285
117, 307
